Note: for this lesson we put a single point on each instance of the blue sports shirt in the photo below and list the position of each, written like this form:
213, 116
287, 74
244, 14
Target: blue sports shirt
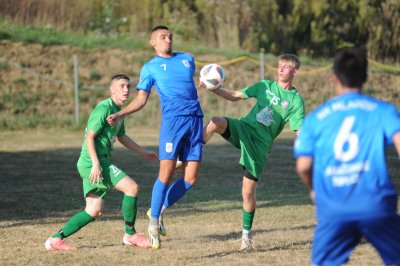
173, 79
346, 137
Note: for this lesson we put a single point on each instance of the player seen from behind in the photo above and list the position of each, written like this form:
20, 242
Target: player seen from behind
341, 158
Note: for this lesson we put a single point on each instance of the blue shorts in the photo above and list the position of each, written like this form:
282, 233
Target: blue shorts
181, 137
334, 241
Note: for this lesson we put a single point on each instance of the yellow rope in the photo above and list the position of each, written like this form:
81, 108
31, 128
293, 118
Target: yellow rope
386, 67
314, 71
230, 62
302, 72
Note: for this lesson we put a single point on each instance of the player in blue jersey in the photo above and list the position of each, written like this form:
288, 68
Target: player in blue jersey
181, 131
341, 158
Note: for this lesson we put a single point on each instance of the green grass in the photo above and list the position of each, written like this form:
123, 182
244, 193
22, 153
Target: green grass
49, 36
41, 190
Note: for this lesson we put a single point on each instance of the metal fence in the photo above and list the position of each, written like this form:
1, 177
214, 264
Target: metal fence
260, 62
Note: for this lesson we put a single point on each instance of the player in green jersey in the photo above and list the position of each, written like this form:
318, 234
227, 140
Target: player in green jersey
99, 174
277, 103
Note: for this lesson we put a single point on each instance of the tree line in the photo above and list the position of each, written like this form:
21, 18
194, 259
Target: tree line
315, 27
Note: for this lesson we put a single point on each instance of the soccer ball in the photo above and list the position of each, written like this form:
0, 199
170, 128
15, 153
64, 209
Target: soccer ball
212, 76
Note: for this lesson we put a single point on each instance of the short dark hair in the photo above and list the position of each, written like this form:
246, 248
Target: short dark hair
119, 76
159, 27
350, 65
294, 59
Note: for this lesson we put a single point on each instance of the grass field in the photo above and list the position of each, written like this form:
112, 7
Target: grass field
40, 190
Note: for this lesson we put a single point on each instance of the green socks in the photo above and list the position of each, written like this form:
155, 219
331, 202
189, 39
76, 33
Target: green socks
81, 219
248, 218
78, 221
129, 209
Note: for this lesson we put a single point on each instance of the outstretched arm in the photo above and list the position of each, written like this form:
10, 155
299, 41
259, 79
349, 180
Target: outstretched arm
133, 146
229, 95
134, 106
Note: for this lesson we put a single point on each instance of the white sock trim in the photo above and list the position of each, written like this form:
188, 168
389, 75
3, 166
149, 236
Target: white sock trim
246, 233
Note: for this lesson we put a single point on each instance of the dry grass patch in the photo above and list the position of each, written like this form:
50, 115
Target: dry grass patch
41, 190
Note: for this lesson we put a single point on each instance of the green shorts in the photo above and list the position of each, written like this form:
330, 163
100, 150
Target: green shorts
111, 176
253, 145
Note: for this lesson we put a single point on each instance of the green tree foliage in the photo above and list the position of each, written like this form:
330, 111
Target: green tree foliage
313, 27
382, 22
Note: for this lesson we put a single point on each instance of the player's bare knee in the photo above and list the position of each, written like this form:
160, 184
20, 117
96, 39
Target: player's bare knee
211, 126
166, 178
218, 124
133, 190
94, 212
247, 195
215, 123
165, 174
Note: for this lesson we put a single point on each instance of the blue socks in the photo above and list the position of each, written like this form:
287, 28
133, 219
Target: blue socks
176, 191
157, 198
167, 197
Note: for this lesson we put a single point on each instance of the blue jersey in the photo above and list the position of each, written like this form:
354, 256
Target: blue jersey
346, 137
173, 79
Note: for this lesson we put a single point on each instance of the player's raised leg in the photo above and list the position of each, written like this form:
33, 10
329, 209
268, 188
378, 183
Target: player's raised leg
174, 193
182, 188
178, 189
217, 124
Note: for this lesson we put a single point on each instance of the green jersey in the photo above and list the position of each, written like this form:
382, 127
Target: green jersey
106, 134
255, 133
274, 108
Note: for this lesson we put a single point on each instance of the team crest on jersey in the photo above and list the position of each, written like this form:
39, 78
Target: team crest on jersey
285, 104
186, 63
265, 117
168, 147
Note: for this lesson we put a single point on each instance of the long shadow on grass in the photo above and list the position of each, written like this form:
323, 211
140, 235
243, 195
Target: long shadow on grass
300, 245
292, 246
238, 235
43, 184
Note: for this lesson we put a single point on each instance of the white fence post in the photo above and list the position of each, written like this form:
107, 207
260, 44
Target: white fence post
76, 89
262, 64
